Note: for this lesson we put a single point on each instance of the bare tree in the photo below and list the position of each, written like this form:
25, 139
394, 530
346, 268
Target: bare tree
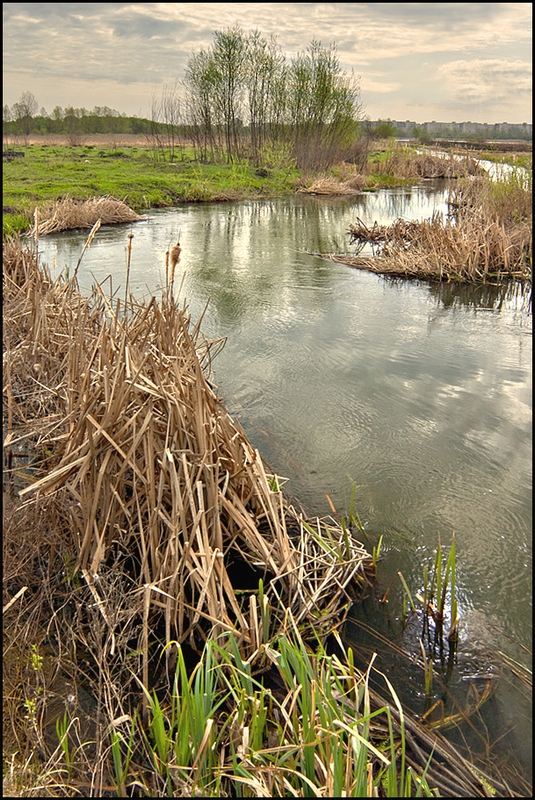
72, 120
171, 115
24, 111
7, 117
166, 117
154, 135
229, 55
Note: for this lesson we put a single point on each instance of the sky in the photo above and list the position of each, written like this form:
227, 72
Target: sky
449, 62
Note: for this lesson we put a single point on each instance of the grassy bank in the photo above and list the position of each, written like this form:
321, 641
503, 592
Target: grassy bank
488, 237
165, 607
131, 174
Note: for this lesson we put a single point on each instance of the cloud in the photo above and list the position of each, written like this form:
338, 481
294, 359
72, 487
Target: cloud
379, 82
63, 51
482, 81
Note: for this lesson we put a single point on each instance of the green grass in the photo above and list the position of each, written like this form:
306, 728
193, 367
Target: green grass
223, 732
132, 174
384, 180
513, 159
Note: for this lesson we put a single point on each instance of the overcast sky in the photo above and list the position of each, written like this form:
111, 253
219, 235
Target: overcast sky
418, 61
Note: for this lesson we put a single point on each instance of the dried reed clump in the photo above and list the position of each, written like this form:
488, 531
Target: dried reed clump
331, 186
70, 214
509, 199
145, 507
404, 164
475, 246
146, 469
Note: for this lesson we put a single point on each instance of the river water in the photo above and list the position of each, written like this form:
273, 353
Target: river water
418, 395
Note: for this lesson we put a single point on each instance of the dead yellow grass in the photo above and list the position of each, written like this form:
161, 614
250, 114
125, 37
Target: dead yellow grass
70, 214
137, 459
403, 163
487, 239
331, 186
136, 511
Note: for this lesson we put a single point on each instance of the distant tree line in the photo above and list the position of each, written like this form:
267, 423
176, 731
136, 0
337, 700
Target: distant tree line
240, 99
23, 119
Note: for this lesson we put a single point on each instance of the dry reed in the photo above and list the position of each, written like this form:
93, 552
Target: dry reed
331, 186
138, 455
141, 514
70, 214
405, 164
131, 493
475, 247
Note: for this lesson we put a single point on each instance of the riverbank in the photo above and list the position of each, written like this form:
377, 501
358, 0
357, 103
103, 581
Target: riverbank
129, 170
136, 175
109, 579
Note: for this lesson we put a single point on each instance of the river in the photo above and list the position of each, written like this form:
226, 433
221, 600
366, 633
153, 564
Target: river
418, 395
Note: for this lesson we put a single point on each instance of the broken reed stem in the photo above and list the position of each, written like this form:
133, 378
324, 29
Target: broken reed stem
86, 246
128, 262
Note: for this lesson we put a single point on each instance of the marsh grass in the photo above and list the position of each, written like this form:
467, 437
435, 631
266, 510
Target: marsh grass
486, 237
142, 458
328, 185
404, 163
311, 727
475, 248
50, 173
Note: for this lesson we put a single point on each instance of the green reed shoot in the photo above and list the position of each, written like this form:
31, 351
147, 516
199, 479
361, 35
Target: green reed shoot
62, 732
428, 673
222, 732
444, 581
264, 611
451, 576
121, 768
354, 517
407, 593
376, 551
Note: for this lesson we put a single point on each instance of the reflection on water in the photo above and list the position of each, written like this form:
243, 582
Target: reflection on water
493, 298
418, 393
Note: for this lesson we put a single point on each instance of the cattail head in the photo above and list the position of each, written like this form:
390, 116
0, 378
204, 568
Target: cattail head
175, 254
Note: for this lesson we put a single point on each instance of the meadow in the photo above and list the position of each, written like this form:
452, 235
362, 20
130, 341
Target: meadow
146, 178
133, 174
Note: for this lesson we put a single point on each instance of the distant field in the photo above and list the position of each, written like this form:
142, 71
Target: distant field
105, 139
139, 140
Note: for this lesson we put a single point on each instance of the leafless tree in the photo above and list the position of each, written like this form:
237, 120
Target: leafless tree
24, 111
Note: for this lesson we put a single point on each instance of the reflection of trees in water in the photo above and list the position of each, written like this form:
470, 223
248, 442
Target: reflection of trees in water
455, 295
319, 224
